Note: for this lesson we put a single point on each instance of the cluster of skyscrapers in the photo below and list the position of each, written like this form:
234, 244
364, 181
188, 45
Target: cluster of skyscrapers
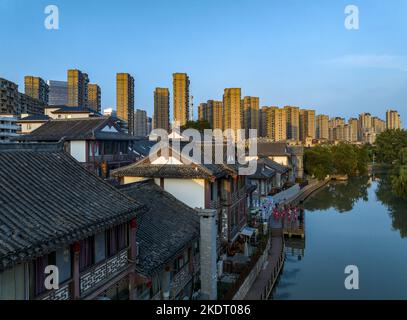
289, 123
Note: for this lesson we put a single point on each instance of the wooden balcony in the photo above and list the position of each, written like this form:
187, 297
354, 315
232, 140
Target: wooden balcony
63, 293
102, 272
91, 278
111, 158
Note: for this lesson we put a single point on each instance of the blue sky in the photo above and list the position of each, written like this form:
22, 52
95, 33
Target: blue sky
287, 52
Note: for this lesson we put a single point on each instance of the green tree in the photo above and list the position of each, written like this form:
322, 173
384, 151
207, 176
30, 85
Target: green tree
388, 145
363, 158
344, 159
318, 162
199, 125
399, 180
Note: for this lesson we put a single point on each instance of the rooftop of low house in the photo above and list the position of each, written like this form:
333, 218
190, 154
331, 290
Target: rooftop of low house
268, 149
48, 200
278, 168
203, 168
263, 170
165, 229
96, 128
35, 118
67, 109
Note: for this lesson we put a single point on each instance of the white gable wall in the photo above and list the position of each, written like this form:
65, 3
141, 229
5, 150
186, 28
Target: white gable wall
78, 150
189, 191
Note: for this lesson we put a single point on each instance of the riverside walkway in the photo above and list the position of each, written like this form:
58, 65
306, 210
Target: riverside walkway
268, 276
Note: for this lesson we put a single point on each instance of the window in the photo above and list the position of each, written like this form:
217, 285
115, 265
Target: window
181, 261
12, 283
116, 239
100, 247
86, 256
63, 262
39, 271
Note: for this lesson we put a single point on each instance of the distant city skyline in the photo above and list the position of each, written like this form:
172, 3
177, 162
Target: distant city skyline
287, 54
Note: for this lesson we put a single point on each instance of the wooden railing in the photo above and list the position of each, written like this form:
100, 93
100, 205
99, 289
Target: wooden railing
245, 273
63, 293
274, 275
113, 158
101, 272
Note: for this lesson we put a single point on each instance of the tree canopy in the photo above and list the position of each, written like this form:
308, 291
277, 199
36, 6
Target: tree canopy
391, 149
199, 125
343, 158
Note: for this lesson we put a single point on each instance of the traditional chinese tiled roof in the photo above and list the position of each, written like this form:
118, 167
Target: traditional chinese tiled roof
143, 147
165, 229
268, 149
263, 171
76, 129
185, 170
35, 118
48, 200
273, 165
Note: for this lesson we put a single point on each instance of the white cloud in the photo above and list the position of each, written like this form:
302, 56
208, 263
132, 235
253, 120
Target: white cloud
394, 62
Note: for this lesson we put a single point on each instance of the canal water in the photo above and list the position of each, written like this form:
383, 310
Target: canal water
359, 222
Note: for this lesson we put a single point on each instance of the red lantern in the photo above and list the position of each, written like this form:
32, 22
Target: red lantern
149, 284
133, 223
76, 247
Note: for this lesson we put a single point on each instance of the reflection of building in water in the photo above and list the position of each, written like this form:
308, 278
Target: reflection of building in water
295, 247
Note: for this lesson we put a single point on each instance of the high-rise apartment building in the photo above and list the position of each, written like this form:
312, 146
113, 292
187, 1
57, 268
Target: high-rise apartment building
77, 88
293, 122
140, 123
30, 105
9, 98
274, 121
161, 117
378, 125
354, 128
365, 126
216, 109
332, 124
94, 97
307, 124
125, 99
58, 93
16, 103
204, 113
393, 120
180, 98
251, 107
232, 109
36, 88
322, 127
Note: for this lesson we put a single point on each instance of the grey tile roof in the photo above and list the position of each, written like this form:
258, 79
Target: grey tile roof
75, 129
263, 171
165, 229
143, 147
267, 149
47, 200
35, 117
273, 165
144, 168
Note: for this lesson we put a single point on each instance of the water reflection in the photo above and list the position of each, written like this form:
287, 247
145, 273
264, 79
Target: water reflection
341, 196
396, 206
357, 222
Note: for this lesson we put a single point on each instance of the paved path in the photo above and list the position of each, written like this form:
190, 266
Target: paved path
257, 291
